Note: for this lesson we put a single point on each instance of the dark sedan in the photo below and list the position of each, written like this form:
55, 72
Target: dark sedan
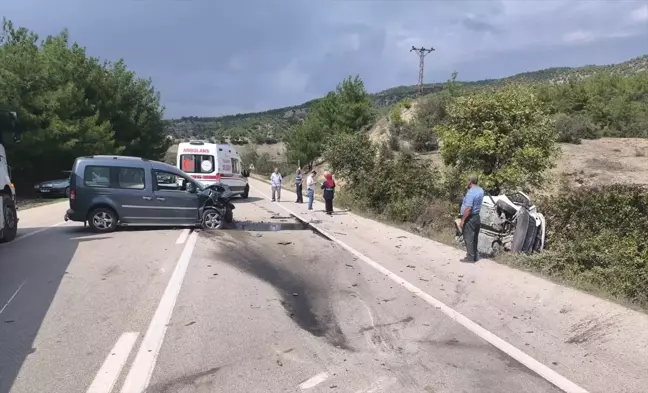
54, 188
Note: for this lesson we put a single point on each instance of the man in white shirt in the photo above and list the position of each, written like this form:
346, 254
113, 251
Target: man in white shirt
275, 182
310, 189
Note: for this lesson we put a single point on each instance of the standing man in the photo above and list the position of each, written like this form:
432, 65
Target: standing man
310, 189
275, 182
470, 220
298, 184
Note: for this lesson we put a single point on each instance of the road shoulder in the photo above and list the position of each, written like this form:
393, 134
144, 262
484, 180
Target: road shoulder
578, 335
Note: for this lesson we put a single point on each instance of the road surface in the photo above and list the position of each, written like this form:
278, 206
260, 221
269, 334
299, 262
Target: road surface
267, 305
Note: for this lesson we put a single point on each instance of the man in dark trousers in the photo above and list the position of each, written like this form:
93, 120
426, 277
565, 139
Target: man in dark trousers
298, 184
470, 220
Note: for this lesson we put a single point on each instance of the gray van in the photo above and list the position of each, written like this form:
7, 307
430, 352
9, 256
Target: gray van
111, 191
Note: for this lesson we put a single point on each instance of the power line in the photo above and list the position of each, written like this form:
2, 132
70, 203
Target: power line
422, 52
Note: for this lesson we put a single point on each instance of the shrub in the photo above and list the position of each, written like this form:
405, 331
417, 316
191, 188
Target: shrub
433, 110
599, 236
423, 139
574, 128
396, 118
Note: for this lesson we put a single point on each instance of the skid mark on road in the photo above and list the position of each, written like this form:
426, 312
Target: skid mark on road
540, 369
297, 294
174, 385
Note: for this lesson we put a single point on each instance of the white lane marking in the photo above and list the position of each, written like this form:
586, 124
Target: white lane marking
32, 233
532, 364
142, 368
183, 236
109, 372
314, 381
12, 297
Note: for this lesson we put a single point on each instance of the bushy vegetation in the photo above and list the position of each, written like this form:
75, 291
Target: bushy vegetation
606, 104
275, 125
70, 104
598, 237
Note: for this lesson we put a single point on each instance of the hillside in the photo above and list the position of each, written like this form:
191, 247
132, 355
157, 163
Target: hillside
271, 126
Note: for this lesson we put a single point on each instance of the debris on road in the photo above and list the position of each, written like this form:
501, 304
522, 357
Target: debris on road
284, 243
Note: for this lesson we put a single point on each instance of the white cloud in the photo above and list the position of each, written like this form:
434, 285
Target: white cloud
640, 14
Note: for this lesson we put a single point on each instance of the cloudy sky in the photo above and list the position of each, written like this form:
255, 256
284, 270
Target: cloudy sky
217, 57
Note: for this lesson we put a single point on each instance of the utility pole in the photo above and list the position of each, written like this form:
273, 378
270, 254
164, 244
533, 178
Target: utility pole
422, 52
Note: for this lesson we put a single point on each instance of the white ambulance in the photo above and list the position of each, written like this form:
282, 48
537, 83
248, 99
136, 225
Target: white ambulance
211, 163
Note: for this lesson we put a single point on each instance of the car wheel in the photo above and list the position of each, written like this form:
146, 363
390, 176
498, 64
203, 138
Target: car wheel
211, 220
102, 220
246, 192
10, 219
67, 192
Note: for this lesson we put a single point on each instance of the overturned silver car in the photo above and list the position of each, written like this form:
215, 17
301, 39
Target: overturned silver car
509, 222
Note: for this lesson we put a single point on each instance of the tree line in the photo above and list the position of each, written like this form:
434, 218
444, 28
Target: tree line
70, 104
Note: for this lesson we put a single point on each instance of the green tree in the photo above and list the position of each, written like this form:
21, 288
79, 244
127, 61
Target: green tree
346, 110
505, 136
70, 104
351, 156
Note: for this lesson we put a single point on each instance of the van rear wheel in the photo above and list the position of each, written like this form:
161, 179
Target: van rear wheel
102, 220
246, 192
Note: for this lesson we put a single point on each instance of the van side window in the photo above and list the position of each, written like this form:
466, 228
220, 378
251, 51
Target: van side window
197, 163
96, 176
130, 178
166, 181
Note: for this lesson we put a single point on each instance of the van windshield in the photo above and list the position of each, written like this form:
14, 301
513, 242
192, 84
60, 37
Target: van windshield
197, 163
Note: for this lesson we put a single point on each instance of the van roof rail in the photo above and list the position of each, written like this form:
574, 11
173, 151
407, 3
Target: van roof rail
116, 157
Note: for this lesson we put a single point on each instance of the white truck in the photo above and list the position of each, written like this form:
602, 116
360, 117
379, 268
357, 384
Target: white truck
8, 214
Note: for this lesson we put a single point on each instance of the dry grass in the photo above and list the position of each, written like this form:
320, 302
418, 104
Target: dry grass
602, 161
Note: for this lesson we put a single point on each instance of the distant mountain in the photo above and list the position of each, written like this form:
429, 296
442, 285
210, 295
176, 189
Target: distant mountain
271, 126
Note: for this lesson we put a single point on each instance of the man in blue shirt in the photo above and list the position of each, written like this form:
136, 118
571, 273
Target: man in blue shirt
470, 221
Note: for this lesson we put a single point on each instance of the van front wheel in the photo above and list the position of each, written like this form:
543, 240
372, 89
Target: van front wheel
10, 220
246, 192
102, 220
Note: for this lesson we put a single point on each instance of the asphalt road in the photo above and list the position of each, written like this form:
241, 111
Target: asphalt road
264, 306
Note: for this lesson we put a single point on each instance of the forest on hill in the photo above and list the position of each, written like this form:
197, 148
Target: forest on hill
276, 124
